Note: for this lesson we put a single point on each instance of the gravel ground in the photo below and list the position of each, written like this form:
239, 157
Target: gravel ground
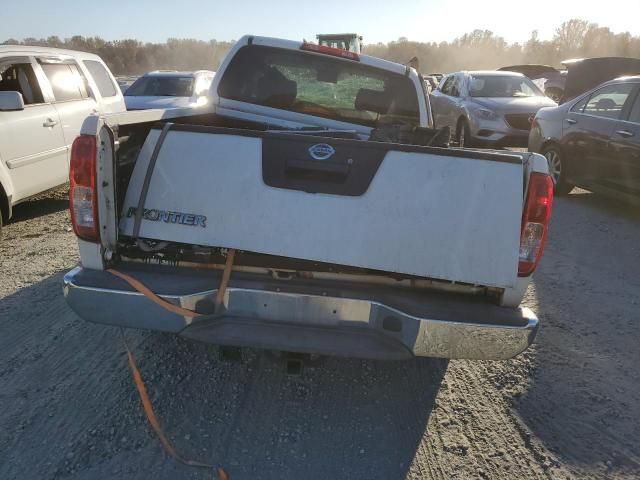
567, 408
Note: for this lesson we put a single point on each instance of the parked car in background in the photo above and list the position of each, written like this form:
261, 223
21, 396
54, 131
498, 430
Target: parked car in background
548, 79
487, 108
587, 73
45, 96
169, 89
579, 76
593, 141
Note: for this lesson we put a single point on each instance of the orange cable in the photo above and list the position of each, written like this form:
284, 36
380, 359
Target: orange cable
226, 274
155, 423
152, 296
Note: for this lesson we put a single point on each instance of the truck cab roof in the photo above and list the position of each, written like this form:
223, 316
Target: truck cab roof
297, 45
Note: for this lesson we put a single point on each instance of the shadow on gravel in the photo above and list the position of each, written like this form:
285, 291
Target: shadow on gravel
38, 207
70, 408
584, 403
341, 418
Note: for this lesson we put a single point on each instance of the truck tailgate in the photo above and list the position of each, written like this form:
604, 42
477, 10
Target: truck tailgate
438, 213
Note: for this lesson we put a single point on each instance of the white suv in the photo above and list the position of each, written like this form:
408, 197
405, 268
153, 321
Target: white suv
45, 96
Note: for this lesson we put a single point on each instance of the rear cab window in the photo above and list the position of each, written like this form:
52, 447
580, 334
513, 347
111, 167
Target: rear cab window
66, 79
101, 76
319, 85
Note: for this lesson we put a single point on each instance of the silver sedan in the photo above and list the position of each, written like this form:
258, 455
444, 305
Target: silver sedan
488, 108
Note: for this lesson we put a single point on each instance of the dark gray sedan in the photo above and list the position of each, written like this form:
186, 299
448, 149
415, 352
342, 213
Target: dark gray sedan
488, 108
593, 141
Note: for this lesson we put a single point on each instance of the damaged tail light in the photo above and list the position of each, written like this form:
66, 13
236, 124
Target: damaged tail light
535, 222
336, 52
82, 192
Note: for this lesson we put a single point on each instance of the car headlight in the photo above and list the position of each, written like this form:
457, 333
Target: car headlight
486, 114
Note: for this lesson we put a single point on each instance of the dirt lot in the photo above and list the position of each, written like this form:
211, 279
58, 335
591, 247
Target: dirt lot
568, 408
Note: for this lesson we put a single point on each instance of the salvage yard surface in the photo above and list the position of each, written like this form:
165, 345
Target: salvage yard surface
567, 408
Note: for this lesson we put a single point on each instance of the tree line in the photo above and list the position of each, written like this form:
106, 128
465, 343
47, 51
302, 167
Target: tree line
132, 57
480, 49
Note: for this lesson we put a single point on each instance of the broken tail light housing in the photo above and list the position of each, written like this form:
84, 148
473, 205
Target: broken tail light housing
336, 52
82, 189
535, 222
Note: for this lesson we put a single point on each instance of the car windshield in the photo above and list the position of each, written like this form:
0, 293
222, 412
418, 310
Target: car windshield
159, 86
502, 86
319, 85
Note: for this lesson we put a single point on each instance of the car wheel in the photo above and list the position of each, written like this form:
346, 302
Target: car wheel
557, 170
462, 135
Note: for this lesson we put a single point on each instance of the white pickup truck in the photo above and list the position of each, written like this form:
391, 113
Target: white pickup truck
45, 96
279, 220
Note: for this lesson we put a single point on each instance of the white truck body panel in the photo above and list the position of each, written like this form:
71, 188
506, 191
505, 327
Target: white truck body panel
453, 218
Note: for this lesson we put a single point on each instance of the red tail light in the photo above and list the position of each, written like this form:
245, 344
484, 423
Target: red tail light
336, 52
82, 193
535, 222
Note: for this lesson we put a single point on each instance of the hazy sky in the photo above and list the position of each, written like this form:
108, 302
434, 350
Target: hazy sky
421, 20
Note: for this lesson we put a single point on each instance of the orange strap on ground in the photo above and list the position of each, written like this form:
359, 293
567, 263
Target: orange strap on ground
153, 420
142, 391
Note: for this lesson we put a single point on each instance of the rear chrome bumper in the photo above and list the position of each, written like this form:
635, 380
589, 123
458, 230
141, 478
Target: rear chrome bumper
306, 316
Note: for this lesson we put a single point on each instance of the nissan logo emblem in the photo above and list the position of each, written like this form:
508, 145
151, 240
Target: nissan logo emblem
321, 151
